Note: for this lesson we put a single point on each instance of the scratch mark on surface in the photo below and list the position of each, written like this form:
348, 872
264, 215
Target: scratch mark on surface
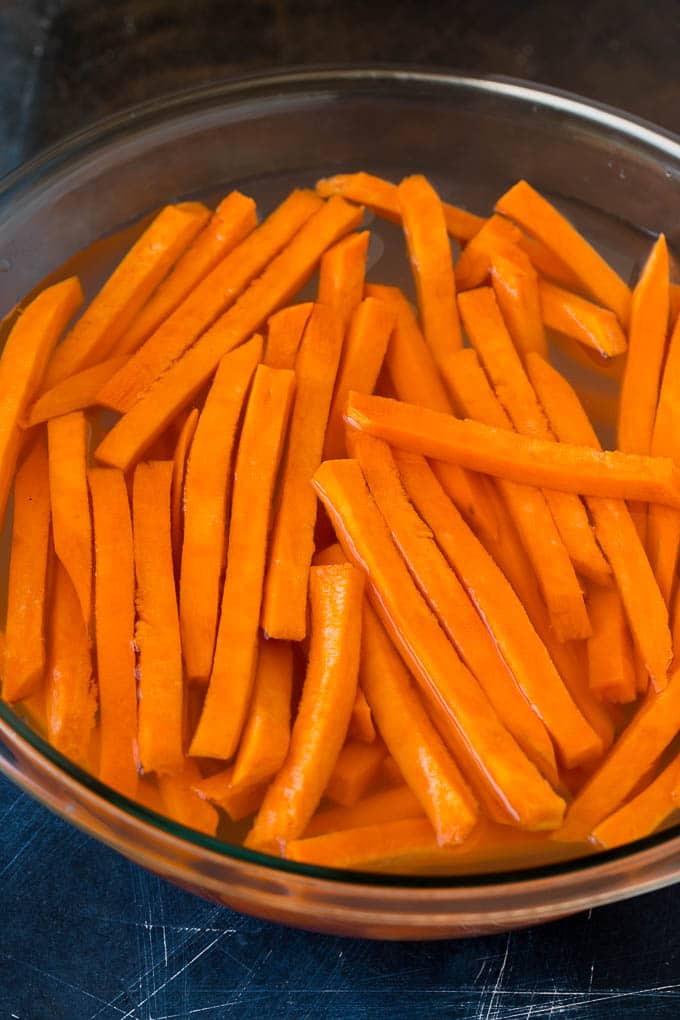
497, 988
59, 981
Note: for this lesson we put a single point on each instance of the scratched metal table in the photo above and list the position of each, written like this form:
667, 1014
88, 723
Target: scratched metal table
83, 933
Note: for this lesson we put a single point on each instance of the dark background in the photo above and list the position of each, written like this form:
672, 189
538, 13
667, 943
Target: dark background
83, 933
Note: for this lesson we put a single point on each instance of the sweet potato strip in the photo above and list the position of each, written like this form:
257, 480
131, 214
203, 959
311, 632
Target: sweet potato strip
257, 462
71, 691
416, 380
375, 809
465, 627
430, 257
645, 608
643, 814
284, 613
497, 236
336, 597
233, 219
646, 348
161, 694
285, 330
74, 393
67, 439
531, 668
207, 489
114, 606
361, 725
611, 665
181, 455
581, 320
382, 197
183, 804
238, 803
663, 525
356, 767
515, 285
640, 745
342, 275
362, 357
22, 366
280, 281
490, 338
266, 735
527, 505
94, 336
481, 739
410, 736
411, 366
410, 843
24, 647
207, 303
538, 217
522, 459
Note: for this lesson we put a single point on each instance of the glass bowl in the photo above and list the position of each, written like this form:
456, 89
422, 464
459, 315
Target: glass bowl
615, 176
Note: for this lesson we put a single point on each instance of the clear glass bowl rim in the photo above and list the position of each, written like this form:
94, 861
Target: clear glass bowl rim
657, 849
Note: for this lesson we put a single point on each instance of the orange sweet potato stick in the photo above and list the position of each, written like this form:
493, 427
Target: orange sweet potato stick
205, 305
365, 345
342, 274
489, 337
416, 380
431, 263
465, 627
361, 725
74, 393
233, 219
161, 695
257, 463
497, 236
24, 648
280, 281
410, 844
96, 333
539, 218
181, 455
207, 489
663, 525
515, 285
356, 768
71, 699
292, 542
336, 597
415, 744
67, 439
377, 808
285, 330
411, 366
22, 366
674, 305
114, 606
527, 505
581, 320
646, 348
498, 605
238, 803
645, 608
480, 738
382, 197
521, 459
266, 735
640, 816
183, 804
639, 747
611, 666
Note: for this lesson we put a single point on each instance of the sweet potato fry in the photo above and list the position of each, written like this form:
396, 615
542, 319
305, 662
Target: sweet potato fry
183, 804
24, 644
581, 320
643, 814
376, 809
285, 330
181, 454
266, 735
515, 285
355, 769
342, 275
219, 790
74, 393
611, 665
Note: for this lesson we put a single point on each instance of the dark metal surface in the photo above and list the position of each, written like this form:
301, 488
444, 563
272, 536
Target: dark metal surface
84, 933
